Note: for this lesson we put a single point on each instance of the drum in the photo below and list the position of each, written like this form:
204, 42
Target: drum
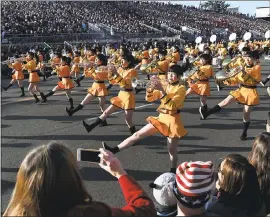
201, 47
215, 61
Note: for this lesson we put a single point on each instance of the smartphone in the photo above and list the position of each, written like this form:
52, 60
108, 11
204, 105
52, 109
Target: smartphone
89, 155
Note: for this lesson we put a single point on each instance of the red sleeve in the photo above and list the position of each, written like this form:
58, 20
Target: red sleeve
138, 203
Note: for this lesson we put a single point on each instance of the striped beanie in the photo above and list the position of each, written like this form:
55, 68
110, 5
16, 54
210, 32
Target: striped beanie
194, 182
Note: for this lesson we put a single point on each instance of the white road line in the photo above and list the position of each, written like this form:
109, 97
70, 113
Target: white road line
31, 98
116, 113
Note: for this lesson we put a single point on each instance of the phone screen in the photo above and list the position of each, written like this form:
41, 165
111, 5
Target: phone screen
89, 155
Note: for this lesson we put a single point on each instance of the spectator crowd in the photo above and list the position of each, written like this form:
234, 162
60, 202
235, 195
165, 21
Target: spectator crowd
48, 17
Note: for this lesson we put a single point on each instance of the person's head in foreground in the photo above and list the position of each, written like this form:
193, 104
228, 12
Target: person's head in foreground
238, 186
48, 182
166, 203
187, 192
259, 157
49, 185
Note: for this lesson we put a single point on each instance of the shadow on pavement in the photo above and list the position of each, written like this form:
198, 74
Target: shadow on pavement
98, 174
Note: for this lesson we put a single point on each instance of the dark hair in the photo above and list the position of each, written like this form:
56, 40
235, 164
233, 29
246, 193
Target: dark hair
103, 59
125, 51
249, 54
67, 60
245, 49
163, 52
259, 157
206, 58
58, 55
240, 187
93, 51
177, 69
31, 54
176, 48
207, 49
129, 58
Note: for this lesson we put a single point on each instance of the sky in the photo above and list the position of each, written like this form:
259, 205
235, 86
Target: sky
245, 7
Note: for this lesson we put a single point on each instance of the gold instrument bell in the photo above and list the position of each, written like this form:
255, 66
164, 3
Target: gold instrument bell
146, 84
222, 76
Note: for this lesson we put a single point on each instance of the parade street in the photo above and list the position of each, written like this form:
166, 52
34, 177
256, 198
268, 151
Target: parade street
26, 125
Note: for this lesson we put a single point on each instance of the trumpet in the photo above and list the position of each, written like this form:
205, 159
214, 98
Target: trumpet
147, 68
86, 64
148, 84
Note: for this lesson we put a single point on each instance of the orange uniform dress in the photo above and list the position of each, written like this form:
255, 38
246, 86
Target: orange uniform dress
31, 67
173, 58
222, 52
64, 73
75, 68
126, 98
162, 69
247, 94
18, 75
98, 87
202, 86
168, 123
145, 57
56, 61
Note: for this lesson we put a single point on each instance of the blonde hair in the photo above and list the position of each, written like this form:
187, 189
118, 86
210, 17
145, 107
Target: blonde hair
48, 183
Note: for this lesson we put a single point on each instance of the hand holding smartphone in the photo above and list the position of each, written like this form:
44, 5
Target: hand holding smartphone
88, 155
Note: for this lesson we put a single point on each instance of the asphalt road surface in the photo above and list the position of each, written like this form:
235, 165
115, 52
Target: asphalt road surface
26, 125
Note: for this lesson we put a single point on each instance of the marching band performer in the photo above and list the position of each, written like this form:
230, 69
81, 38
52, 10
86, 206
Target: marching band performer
125, 99
56, 61
91, 56
98, 88
75, 68
171, 95
162, 65
202, 75
247, 94
40, 65
222, 52
65, 82
17, 75
34, 79
175, 56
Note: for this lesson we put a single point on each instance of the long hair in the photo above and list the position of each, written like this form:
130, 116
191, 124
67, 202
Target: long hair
48, 183
259, 157
240, 187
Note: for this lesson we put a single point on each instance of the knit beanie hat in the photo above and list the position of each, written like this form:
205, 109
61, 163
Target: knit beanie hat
166, 203
194, 182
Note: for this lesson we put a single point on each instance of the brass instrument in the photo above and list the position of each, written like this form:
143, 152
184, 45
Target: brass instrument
149, 84
189, 73
222, 76
48, 65
147, 68
86, 64
12, 59
227, 64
